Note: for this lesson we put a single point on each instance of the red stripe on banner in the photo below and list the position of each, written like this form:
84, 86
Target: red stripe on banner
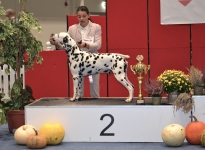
198, 35
198, 45
198, 58
168, 59
50, 79
127, 24
127, 34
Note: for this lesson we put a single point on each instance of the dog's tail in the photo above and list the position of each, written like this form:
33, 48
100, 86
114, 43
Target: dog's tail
124, 56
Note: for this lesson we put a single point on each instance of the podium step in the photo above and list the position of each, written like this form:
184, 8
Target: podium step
105, 119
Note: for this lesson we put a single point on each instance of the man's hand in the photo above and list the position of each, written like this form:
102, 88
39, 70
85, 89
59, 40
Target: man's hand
80, 44
52, 40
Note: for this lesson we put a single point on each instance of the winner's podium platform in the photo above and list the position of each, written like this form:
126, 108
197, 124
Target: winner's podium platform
105, 119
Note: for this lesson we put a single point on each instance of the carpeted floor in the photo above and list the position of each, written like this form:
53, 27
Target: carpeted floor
7, 142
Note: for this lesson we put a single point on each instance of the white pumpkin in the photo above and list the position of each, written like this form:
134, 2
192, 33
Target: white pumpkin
22, 133
173, 135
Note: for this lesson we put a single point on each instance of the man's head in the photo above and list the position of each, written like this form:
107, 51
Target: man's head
10, 13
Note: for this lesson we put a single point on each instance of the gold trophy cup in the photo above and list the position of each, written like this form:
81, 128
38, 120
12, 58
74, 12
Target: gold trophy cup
140, 69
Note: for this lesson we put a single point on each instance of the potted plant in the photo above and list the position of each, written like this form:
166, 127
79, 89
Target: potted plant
185, 102
154, 88
203, 79
174, 82
196, 79
17, 41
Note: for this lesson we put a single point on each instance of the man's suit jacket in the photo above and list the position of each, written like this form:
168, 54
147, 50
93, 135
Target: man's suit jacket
94, 30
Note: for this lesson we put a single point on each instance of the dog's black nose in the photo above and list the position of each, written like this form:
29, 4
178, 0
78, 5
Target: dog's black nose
65, 40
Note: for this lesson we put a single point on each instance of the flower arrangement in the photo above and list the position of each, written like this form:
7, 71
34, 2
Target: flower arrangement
175, 80
154, 88
196, 76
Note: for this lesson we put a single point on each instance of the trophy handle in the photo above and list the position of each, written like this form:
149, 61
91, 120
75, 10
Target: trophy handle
132, 69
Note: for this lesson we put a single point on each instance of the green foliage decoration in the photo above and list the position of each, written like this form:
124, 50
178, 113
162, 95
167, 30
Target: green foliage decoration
17, 41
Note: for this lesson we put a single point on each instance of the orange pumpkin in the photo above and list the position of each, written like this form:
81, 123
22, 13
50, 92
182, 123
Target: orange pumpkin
193, 131
36, 141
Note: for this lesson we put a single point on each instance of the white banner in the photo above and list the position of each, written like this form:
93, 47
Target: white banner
182, 11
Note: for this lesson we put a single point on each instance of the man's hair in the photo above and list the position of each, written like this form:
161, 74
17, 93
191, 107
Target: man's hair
10, 13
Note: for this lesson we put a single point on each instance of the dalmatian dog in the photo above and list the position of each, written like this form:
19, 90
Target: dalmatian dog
82, 63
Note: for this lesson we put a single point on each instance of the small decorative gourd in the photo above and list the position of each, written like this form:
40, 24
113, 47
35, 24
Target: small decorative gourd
173, 135
54, 133
193, 131
22, 133
36, 141
202, 138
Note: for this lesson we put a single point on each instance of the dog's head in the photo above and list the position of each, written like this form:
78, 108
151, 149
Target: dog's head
64, 37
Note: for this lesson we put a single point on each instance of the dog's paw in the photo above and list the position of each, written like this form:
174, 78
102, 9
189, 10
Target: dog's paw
78, 98
128, 100
75, 99
72, 99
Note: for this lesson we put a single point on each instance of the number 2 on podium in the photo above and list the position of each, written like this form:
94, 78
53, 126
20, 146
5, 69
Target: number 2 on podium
102, 133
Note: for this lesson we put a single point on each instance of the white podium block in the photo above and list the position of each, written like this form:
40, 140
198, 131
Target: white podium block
107, 123
199, 111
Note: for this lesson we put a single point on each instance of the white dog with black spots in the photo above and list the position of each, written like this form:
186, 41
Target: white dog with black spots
83, 63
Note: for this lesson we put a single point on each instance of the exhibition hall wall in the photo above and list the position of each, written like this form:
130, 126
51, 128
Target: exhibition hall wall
52, 13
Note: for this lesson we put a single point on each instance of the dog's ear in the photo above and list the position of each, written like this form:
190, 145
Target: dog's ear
65, 39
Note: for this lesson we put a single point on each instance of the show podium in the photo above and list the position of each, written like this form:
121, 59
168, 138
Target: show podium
199, 110
105, 119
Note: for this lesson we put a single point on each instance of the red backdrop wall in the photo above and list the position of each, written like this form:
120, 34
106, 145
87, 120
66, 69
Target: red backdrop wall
130, 27
169, 44
50, 79
198, 45
127, 34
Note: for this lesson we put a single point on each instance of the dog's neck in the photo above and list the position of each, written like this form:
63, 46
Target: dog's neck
72, 49
74, 46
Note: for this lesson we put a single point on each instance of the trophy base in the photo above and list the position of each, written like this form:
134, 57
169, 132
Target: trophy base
140, 102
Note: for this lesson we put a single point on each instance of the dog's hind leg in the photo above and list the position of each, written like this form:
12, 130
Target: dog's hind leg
130, 89
129, 82
122, 78
77, 88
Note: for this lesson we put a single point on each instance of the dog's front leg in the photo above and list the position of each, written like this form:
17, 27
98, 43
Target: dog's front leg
75, 85
77, 88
